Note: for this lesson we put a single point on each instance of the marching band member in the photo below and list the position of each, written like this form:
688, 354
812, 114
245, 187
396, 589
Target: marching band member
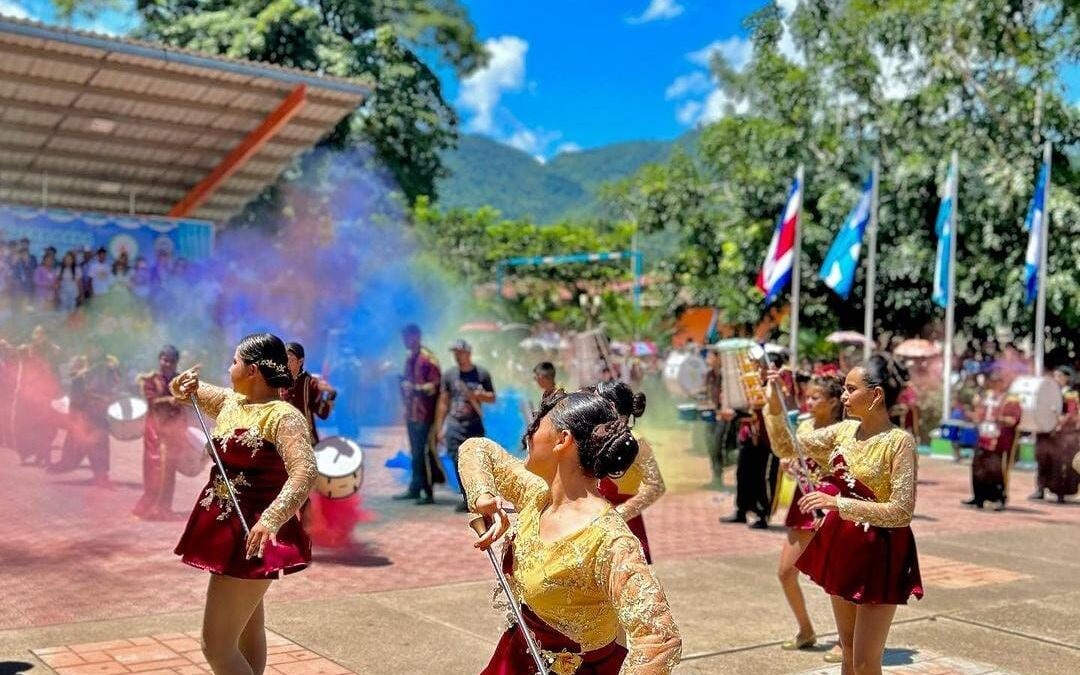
822, 398
164, 434
996, 448
864, 553
1054, 451
265, 446
576, 567
310, 395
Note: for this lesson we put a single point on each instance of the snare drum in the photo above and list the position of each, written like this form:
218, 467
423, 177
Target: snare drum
340, 463
688, 412
707, 414
126, 418
191, 459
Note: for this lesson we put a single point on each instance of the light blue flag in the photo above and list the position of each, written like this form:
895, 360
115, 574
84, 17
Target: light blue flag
946, 223
1035, 224
838, 270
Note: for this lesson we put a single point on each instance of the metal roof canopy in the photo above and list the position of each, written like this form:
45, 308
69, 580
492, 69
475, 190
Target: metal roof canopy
95, 123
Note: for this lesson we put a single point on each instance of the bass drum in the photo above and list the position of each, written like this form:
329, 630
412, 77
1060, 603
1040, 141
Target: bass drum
1040, 400
126, 418
340, 462
684, 374
192, 458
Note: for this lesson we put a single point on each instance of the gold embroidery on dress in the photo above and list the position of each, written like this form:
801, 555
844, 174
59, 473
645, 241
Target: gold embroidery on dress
251, 439
584, 585
219, 491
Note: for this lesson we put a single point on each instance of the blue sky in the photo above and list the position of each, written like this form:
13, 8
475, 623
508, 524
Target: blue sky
619, 70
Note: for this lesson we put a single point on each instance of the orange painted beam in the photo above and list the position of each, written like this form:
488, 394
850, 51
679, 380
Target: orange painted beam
244, 151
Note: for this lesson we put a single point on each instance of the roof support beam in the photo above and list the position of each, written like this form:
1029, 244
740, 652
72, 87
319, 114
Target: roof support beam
232, 162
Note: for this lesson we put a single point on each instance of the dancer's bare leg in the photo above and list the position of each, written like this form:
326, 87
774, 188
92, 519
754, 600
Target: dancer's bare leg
230, 604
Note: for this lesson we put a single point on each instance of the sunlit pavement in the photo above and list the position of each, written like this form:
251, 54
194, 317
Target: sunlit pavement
413, 596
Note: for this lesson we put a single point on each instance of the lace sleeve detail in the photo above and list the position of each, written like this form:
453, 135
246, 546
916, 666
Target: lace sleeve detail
816, 444
655, 645
897, 511
486, 468
210, 398
294, 444
652, 484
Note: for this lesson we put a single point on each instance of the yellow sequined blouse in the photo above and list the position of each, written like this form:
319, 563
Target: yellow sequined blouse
643, 480
278, 422
585, 585
886, 463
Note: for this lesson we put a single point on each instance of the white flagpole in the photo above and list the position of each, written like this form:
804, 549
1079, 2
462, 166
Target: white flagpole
871, 264
1040, 298
950, 307
795, 273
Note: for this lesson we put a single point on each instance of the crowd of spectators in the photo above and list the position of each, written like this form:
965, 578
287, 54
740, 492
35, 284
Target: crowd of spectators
61, 283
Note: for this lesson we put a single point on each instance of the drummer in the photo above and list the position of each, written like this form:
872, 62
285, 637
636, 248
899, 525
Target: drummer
95, 383
163, 437
309, 394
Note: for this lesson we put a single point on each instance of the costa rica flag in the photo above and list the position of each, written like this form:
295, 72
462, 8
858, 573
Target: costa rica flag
780, 258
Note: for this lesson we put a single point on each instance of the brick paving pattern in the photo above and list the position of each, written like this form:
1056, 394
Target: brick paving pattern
175, 654
945, 573
74, 536
922, 662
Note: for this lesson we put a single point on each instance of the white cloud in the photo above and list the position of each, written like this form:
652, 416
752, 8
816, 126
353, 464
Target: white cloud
536, 142
567, 148
787, 45
718, 105
13, 9
696, 82
505, 71
899, 75
735, 50
689, 113
657, 10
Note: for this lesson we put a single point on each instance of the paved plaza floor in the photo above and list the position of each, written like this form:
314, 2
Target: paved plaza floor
87, 589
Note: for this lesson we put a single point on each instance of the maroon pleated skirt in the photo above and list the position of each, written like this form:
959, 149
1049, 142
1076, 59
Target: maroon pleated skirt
861, 563
636, 524
796, 519
512, 656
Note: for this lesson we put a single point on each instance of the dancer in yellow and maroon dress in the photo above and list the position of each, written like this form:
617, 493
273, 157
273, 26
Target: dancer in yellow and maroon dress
642, 484
265, 446
822, 394
864, 553
571, 560
163, 437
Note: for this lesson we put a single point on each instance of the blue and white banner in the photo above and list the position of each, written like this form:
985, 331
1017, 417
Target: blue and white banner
137, 235
945, 227
1035, 223
838, 270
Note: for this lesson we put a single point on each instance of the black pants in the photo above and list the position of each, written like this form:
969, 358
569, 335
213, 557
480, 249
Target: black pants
721, 438
421, 471
756, 475
455, 436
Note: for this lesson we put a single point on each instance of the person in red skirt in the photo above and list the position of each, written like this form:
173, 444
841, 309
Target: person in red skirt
265, 446
570, 560
822, 398
864, 553
642, 484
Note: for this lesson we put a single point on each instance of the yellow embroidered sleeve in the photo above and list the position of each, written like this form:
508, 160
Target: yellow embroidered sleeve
655, 645
652, 484
486, 468
897, 511
294, 444
210, 398
817, 444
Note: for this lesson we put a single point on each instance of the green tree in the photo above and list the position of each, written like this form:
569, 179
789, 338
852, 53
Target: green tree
469, 244
905, 81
